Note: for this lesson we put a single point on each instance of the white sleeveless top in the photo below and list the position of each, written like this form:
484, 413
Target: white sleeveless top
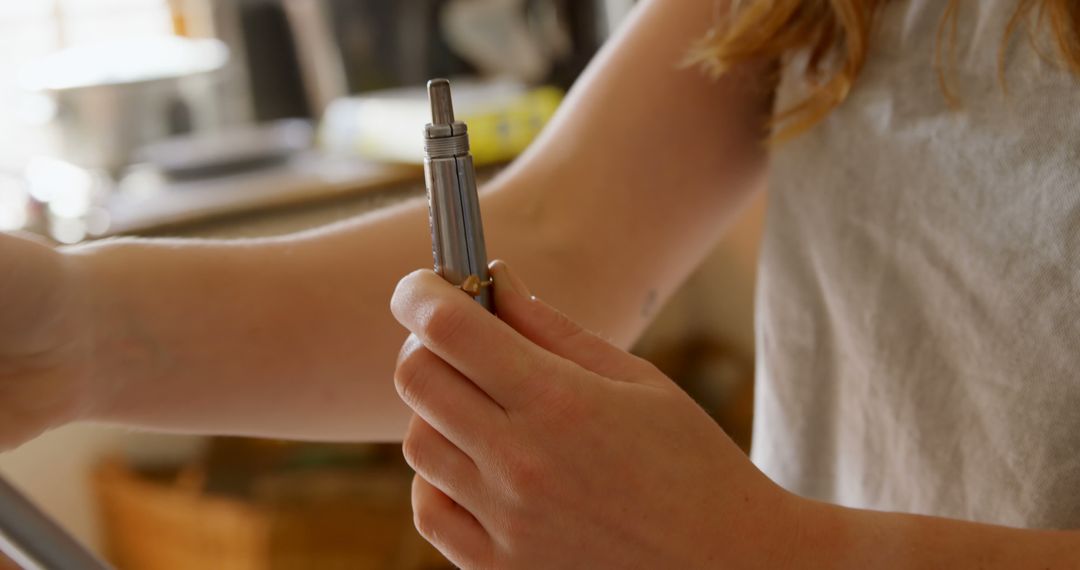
919, 296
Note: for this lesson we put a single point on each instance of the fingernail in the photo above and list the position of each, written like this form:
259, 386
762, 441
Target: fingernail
503, 275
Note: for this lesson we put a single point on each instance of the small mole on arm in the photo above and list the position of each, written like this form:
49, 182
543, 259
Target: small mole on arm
649, 306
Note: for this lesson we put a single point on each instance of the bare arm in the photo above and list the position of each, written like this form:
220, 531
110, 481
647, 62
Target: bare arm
837, 537
610, 210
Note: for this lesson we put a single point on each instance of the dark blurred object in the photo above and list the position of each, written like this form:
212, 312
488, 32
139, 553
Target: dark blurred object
584, 22
317, 51
273, 65
389, 43
258, 504
229, 151
717, 377
292, 70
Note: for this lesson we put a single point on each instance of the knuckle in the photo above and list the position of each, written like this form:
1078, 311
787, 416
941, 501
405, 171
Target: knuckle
426, 521
410, 375
527, 477
429, 524
443, 322
412, 449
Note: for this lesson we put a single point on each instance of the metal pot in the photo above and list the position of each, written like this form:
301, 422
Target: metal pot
111, 99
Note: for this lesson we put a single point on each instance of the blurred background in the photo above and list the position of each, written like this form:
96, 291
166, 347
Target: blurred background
245, 118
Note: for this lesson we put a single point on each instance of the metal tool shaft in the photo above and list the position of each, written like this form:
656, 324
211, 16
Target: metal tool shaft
34, 541
442, 103
457, 234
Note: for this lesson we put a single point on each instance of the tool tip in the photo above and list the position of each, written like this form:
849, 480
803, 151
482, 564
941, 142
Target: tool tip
442, 105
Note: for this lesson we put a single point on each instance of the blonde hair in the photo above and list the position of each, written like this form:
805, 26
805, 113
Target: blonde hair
835, 36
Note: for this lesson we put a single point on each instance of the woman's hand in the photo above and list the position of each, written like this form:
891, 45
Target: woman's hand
45, 343
539, 445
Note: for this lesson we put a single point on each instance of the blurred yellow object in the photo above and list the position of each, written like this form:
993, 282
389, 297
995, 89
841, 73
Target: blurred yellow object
499, 136
503, 118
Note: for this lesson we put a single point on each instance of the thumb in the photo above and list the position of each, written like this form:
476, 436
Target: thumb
556, 333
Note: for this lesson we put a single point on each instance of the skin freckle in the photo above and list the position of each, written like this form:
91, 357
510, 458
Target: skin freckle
649, 306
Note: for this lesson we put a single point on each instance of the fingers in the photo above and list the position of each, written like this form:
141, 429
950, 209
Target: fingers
445, 399
505, 365
441, 463
555, 332
449, 527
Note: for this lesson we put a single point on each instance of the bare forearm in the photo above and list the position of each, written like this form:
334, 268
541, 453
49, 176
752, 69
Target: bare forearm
287, 337
271, 337
836, 537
